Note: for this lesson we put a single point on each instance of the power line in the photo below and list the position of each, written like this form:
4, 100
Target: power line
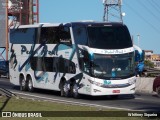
153, 5
139, 15
157, 5
152, 13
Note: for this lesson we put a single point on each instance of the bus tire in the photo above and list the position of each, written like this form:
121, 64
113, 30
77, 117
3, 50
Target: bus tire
64, 89
74, 90
7, 75
30, 84
23, 84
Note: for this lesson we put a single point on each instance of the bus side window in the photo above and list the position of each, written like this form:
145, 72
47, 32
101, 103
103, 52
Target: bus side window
80, 35
43, 38
84, 61
55, 35
49, 35
23, 36
65, 36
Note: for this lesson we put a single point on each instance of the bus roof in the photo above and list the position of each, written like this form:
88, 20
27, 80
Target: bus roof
99, 23
85, 23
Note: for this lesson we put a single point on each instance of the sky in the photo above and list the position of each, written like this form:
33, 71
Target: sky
142, 17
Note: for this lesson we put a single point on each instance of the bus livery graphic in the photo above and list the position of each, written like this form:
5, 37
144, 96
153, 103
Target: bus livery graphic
92, 58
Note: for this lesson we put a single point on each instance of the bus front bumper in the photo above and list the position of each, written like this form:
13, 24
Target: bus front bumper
99, 91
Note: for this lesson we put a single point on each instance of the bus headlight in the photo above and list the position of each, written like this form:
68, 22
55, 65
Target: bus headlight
95, 83
131, 81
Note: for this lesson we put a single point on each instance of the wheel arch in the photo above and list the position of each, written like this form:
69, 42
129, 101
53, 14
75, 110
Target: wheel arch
71, 80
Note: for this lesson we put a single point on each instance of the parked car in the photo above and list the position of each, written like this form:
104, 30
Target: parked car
4, 68
156, 85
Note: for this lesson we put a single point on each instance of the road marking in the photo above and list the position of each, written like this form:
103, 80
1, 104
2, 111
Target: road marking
71, 102
139, 98
4, 81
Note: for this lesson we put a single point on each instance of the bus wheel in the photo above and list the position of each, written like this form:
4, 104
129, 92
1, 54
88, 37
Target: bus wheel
30, 85
23, 85
64, 89
75, 88
7, 75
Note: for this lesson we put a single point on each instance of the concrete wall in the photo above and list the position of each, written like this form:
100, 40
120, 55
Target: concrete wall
144, 85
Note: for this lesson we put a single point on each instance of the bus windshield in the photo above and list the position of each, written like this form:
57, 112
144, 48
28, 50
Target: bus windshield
113, 66
109, 37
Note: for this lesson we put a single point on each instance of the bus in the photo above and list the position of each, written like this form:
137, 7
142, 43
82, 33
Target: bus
139, 61
90, 58
139, 53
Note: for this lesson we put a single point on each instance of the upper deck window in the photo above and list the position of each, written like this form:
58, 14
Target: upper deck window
80, 35
55, 35
23, 36
109, 37
48, 35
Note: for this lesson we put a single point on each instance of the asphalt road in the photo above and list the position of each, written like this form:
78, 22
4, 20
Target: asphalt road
142, 102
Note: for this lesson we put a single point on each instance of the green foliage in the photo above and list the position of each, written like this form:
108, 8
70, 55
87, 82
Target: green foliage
149, 64
22, 104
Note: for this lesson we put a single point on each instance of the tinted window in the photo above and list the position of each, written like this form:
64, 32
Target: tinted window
52, 64
111, 37
23, 35
55, 35
84, 61
113, 66
80, 35
139, 56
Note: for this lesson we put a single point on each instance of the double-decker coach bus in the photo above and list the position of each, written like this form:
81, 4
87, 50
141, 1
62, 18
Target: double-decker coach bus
92, 58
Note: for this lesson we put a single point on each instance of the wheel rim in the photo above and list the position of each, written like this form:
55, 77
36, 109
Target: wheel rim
23, 83
65, 87
75, 90
30, 85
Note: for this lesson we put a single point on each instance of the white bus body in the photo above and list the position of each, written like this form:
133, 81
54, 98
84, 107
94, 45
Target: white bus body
75, 58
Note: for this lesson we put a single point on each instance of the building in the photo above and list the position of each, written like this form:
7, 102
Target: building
156, 64
154, 58
148, 54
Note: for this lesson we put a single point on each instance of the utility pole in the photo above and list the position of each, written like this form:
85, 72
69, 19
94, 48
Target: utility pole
138, 36
112, 10
7, 43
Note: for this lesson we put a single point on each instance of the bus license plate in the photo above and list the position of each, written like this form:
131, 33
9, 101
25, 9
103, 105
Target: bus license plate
116, 91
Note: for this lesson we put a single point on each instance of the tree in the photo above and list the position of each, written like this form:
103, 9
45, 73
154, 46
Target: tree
149, 64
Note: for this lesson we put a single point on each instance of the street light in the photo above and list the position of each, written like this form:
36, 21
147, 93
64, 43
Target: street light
138, 36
